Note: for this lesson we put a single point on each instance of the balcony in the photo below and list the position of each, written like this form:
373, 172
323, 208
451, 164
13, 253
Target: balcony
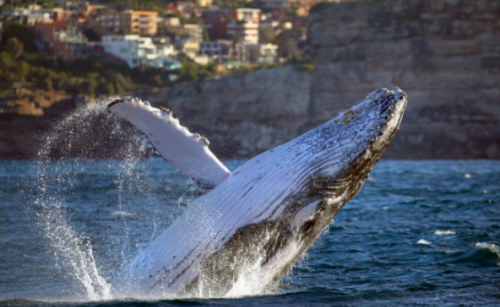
146, 18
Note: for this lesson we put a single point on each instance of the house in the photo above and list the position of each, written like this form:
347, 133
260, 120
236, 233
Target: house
204, 3
135, 50
182, 7
164, 47
195, 32
189, 48
171, 21
139, 22
24, 16
82, 10
217, 51
239, 24
186, 6
58, 39
262, 53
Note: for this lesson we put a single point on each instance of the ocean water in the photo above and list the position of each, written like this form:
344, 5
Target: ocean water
420, 233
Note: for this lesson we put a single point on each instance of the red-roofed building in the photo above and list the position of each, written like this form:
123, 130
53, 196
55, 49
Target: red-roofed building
61, 40
182, 7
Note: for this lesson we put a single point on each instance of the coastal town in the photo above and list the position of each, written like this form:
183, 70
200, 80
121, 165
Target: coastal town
250, 76
87, 49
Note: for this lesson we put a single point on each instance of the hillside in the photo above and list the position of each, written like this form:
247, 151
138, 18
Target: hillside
444, 54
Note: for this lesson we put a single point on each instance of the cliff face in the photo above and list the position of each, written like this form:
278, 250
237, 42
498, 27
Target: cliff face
246, 114
445, 54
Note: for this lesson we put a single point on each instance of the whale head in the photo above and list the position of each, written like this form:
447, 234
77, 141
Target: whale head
353, 142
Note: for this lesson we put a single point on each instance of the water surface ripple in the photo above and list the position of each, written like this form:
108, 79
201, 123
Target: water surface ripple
420, 233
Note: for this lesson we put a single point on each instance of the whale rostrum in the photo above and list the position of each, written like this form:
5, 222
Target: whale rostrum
257, 222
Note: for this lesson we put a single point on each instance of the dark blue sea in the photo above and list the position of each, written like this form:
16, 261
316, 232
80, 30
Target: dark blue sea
420, 233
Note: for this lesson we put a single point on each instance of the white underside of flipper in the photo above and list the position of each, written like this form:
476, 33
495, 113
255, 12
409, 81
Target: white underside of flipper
187, 152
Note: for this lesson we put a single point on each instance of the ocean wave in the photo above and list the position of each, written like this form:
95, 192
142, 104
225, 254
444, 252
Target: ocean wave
489, 246
444, 233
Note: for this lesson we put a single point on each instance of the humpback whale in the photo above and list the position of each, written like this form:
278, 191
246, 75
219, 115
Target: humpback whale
258, 221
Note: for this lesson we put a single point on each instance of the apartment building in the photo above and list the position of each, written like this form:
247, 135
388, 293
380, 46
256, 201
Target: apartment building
137, 22
56, 38
219, 51
136, 50
240, 24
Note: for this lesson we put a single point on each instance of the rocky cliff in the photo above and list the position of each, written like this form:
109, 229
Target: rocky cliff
445, 54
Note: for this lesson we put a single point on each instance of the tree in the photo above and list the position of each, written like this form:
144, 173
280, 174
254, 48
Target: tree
92, 35
46, 84
23, 33
267, 35
15, 47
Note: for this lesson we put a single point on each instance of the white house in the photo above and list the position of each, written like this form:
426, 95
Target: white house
136, 50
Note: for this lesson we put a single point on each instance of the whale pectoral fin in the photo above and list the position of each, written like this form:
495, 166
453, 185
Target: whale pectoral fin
187, 152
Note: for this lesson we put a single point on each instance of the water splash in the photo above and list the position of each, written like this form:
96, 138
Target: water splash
90, 133
83, 133
489, 246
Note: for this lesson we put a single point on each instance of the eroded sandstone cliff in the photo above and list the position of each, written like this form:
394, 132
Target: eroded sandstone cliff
445, 54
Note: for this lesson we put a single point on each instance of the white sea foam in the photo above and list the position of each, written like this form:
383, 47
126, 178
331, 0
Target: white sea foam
72, 248
422, 241
444, 233
492, 247
122, 213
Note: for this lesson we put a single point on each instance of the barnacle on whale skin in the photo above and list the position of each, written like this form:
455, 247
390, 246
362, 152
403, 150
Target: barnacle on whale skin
347, 117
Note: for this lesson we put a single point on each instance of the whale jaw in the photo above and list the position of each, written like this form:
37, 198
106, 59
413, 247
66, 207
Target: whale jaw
252, 228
